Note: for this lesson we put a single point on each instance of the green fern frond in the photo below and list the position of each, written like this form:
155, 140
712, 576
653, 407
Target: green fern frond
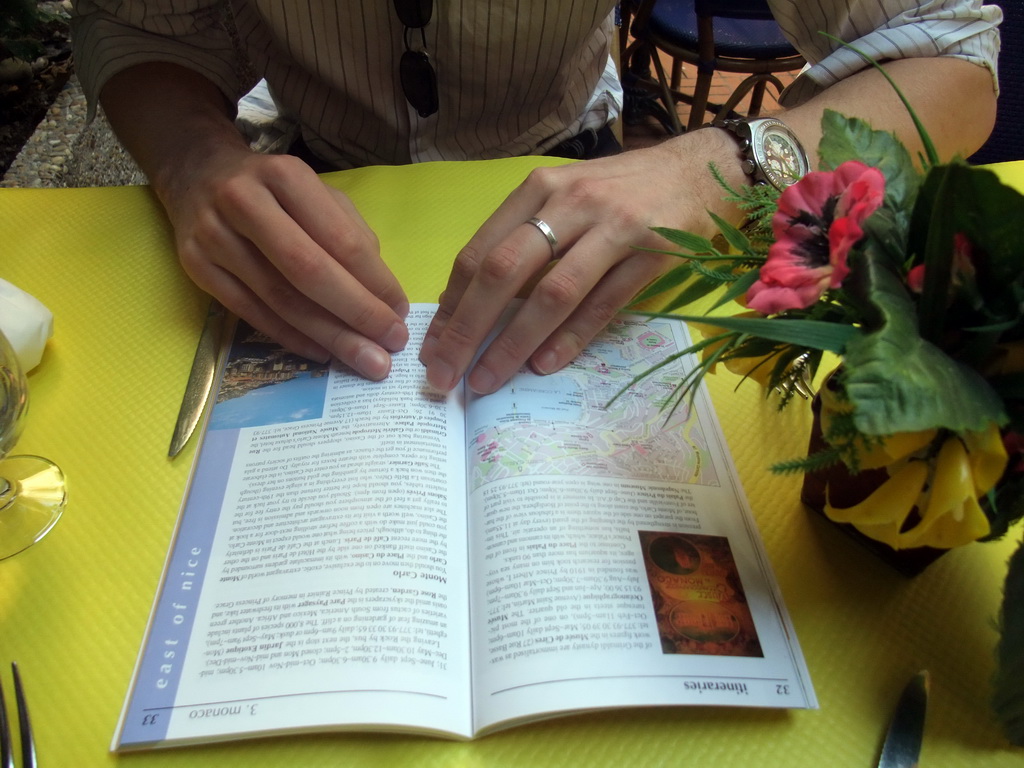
758, 203
715, 274
848, 440
814, 462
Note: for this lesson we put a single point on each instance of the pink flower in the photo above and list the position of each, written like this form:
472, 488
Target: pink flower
963, 266
819, 219
915, 278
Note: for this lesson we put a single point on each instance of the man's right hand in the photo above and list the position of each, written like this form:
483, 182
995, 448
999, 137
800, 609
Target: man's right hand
261, 233
291, 256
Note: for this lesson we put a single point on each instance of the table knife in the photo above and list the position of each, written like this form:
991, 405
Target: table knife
200, 379
902, 746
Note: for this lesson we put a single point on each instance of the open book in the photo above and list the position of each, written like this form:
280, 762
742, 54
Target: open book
378, 556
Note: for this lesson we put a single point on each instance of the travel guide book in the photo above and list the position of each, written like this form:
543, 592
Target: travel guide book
356, 555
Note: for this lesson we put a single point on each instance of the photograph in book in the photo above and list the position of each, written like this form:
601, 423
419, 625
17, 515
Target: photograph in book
697, 595
264, 384
381, 556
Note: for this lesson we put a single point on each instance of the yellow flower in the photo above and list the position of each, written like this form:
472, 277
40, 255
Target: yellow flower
888, 450
932, 503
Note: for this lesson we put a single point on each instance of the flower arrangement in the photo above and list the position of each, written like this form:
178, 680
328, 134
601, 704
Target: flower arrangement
914, 279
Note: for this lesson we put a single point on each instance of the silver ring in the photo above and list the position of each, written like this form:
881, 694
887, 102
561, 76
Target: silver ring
545, 230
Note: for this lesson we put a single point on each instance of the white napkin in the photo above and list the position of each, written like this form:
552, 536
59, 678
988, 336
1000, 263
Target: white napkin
26, 323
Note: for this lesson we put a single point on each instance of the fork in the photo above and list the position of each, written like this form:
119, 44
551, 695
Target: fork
28, 747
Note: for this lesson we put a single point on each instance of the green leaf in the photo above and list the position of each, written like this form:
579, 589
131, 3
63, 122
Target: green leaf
931, 156
935, 222
674, 278
697, 289
688, 257
690, 380
738, 288
721, 277
850, 138
886, 229
957, 199
733, 236
1008, 694
808, 334
984, 209
814, 462
906, 385
687, 240
898, 381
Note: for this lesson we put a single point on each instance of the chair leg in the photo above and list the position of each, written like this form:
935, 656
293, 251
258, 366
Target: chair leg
624, 22
666, 95
699, 105
705, 71
677, 73
641, 91
757, 98
751, 84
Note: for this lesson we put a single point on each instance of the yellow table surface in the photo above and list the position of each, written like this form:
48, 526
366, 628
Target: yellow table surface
103, 404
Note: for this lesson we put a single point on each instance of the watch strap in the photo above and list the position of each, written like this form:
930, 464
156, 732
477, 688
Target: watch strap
744, 132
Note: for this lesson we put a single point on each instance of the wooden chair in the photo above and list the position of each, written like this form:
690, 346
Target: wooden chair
737, 36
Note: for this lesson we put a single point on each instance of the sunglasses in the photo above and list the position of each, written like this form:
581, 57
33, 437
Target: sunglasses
419, 80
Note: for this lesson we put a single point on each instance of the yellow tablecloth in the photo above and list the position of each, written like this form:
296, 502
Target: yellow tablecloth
103, 404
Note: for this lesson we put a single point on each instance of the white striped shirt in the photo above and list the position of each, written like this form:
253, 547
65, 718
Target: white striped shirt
515, 77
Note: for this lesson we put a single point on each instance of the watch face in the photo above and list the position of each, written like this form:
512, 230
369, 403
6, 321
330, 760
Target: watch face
779, 156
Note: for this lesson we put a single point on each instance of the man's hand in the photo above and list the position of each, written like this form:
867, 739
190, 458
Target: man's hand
262, 233
600, 211
291, 256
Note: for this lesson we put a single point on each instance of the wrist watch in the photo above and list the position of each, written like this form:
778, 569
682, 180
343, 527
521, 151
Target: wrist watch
772, 154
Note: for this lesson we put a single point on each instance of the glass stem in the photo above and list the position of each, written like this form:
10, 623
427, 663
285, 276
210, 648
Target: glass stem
8, 492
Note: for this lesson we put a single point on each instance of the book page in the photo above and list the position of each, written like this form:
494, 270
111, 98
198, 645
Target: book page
615, 561
318, 574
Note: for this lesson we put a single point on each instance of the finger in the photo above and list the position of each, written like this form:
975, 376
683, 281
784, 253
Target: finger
594, 313
242, 279
363, 356
556, 297
500, 275
553, 299
241, 301
256, 215
320, 218
522, 204
348, 239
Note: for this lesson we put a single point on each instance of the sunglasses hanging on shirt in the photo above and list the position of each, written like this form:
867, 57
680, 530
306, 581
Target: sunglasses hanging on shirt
419, 81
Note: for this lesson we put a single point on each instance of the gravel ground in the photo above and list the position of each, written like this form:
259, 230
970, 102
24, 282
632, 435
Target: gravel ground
67, 150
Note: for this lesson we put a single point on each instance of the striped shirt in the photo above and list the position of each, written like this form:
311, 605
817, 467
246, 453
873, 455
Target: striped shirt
515, 77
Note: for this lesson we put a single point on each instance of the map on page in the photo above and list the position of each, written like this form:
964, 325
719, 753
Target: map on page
571, 423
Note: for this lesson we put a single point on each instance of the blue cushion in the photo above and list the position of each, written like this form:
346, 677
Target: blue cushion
676, 21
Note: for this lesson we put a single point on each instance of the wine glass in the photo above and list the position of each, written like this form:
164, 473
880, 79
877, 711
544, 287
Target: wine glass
32, 489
